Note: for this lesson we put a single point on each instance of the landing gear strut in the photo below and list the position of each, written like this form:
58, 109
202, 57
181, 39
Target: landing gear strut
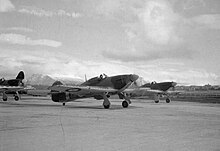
127, 100
156, 98
106, 102
5, 98
16, 96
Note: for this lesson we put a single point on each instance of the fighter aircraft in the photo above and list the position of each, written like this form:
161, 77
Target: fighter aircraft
156, 89
101, 87
12, 85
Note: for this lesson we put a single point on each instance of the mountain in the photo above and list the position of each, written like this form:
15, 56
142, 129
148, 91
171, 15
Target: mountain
69, 81
40, 79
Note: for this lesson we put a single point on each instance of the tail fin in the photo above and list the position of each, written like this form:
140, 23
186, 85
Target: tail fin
57, 83
20, 75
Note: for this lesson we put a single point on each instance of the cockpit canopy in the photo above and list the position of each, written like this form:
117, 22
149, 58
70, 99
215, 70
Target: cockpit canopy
2, 80
154, 82
102, 76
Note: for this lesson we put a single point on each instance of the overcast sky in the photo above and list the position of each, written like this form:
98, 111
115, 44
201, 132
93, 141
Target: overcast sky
160, 40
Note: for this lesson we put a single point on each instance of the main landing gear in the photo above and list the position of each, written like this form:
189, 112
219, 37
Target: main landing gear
5, 98
157, 100
125, 103
106, 102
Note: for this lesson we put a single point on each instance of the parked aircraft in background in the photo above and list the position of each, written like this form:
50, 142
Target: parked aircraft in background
156, 89
101, 87
13, 86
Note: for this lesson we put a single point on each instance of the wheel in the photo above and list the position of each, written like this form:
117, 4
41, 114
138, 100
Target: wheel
106, 106
64, 104
156, 101
168, 100
125, 104
4, 99
16, 98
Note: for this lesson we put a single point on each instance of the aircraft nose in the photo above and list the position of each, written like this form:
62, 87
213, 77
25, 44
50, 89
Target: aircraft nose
174, 84
134, 77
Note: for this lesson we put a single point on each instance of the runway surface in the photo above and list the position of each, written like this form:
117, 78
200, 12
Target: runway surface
34, 124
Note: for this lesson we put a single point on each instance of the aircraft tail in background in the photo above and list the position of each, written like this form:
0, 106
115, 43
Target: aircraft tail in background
20, 75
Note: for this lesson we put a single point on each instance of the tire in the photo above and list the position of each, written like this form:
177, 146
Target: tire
106, 106
125, 104
156, 101
16, 98
167, 100
5, 99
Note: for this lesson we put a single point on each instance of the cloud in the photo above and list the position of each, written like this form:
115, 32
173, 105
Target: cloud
6, 6
192, 4
159, 21
108, 7
46, 13
174, 70
23, 40
152, 30
60, 64
211, 21
56, 64
24, 29
134, 55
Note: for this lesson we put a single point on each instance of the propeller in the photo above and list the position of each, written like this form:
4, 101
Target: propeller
132, 79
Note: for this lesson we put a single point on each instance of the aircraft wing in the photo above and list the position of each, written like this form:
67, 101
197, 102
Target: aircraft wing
83, 90
15, 88
10, 88
146, 91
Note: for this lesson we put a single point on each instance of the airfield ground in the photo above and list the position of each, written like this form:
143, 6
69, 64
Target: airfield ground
34, 124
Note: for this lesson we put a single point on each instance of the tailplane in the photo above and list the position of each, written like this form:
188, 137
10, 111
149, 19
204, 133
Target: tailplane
20, 75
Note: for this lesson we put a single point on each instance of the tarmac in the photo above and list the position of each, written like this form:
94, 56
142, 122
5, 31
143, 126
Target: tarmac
34, 124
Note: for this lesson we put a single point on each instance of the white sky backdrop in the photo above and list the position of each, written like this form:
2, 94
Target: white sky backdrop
159, 40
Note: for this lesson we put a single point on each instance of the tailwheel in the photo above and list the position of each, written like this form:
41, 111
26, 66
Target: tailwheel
16, 98
156, 101
64, 104
5, 99
125, 104
168, 100
106, 106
